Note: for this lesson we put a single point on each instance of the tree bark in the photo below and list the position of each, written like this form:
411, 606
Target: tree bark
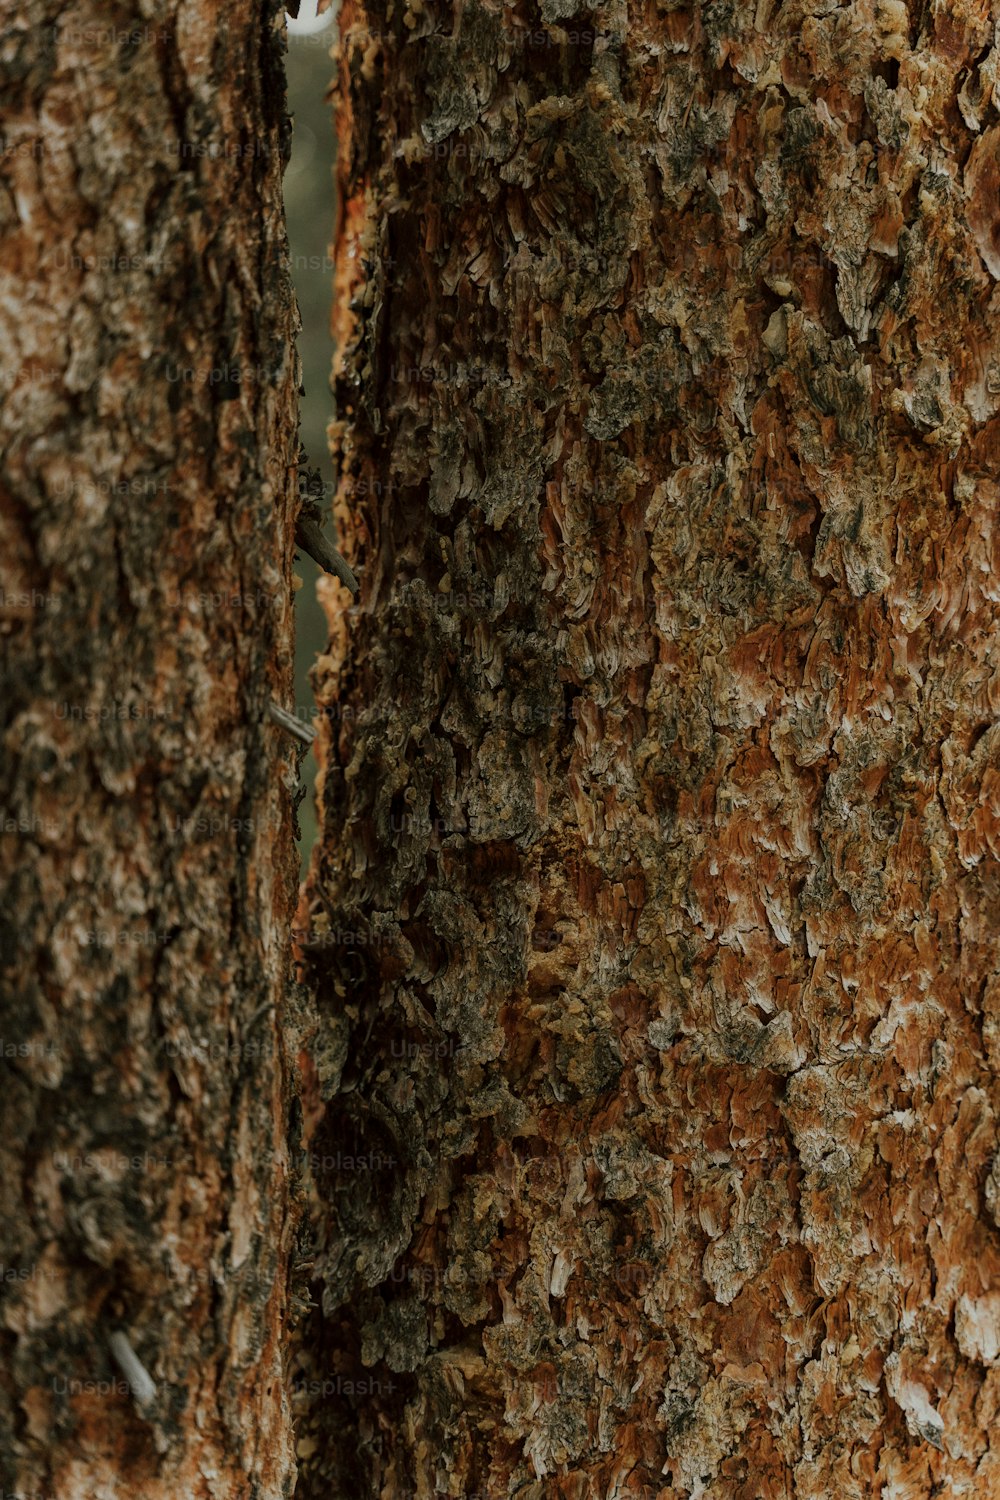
654, 930
148, 420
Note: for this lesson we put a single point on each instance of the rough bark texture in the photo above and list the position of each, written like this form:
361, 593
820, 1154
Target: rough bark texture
654, 929
148, 386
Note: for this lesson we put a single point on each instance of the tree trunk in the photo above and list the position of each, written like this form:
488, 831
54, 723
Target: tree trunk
148, 418
652, 1105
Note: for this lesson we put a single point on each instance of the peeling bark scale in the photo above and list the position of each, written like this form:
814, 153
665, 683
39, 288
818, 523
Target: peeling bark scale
148, 413
652, 1101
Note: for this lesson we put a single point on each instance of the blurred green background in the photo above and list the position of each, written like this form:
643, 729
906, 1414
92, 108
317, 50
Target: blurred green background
309, 201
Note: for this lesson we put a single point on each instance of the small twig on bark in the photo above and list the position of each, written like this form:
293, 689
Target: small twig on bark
261, 1010
140, 1382
291, 725
310, 537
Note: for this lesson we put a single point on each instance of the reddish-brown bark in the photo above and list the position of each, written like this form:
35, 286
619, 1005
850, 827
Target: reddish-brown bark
655, 921
148, 384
